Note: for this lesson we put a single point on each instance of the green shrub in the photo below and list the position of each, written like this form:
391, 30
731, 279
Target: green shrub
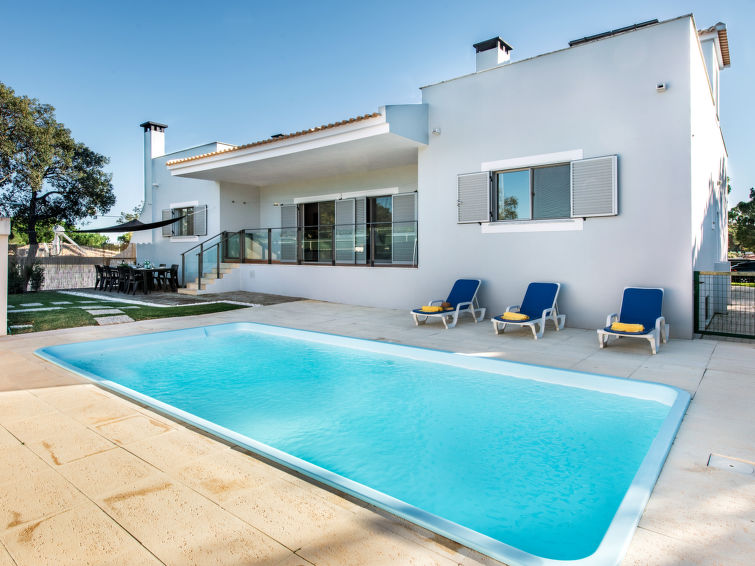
36, 276
15, 278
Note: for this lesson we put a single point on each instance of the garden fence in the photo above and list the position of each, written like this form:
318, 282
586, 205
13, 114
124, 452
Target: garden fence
725, 303
69, 271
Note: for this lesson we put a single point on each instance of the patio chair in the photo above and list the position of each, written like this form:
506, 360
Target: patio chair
640, 318
99, 277
135, 279
123, 278
538, 306
172, 277
461, 299
112, 278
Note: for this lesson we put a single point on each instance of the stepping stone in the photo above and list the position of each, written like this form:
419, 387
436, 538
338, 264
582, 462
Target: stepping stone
31, 304
130, 307
11, 306
113, 319
15, 326
61, 302
104, 311
86, 302
39, 309
92, 307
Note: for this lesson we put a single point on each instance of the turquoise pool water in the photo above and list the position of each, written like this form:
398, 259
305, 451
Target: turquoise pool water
540, 467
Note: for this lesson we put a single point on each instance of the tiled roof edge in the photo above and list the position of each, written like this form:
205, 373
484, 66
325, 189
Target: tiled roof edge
276, 139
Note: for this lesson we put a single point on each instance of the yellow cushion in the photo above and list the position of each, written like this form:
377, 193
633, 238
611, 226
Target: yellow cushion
626, 327
514, 316
431, 309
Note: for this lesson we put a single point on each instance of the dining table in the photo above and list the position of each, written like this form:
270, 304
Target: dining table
148, 275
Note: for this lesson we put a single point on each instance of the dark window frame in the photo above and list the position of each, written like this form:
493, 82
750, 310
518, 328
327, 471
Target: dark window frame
495, 191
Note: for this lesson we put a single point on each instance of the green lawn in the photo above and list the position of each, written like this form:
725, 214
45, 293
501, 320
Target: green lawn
71, 316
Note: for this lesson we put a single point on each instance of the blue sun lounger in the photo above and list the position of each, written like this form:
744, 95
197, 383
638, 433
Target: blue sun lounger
462, 298
539, 304
639, 305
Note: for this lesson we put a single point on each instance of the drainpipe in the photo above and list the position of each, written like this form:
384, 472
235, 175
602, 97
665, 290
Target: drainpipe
4, 233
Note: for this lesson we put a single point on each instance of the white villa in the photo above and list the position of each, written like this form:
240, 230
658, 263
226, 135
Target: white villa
601, 165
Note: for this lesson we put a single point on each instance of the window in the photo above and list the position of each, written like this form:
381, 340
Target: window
577, 189
353, 231
193, 221
534, 193
185, 226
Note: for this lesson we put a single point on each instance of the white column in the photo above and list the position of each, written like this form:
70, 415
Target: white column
4, 233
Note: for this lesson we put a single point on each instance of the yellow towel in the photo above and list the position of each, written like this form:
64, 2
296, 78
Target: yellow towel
514, 316
625, 327
431, 309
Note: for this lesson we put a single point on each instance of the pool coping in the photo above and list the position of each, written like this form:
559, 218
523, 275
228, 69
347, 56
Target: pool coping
619, 534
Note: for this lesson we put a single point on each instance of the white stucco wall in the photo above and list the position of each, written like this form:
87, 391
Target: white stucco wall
169, 190
239, 206
708, 163
599, 97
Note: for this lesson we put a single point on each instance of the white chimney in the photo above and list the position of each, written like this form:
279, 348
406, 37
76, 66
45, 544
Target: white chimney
492, 53
154, 139
154, 146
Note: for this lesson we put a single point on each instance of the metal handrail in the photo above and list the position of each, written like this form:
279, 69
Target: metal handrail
225, 236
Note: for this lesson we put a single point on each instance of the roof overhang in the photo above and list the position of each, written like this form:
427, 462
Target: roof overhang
387, 139
718, 34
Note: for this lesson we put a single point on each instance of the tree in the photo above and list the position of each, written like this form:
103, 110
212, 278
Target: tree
507, 209
742, 225
45, 233
46, 177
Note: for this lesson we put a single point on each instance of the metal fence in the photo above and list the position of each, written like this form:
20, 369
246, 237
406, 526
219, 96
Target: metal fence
725, 303
73, 271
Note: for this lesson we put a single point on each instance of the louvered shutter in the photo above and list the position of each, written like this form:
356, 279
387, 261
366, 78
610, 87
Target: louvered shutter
594, 187
473, 191
345, 230
289, 219
200, 220
360, 229
404, 233
168, 228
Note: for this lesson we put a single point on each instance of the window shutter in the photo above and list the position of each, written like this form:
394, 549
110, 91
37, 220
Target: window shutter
405, 207
200, 220
289, 220
404, 233
593, 187
168, 228
473, 190
345, 216
288, 216
360, 237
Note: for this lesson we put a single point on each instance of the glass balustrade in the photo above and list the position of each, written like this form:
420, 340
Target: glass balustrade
374, 244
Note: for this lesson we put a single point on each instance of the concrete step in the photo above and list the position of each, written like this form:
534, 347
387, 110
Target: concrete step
192, 292
193, 285
212, 276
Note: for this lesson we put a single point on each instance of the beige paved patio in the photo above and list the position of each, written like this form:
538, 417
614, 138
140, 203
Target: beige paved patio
89, 478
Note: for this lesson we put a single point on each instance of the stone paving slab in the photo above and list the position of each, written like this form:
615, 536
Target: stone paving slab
98, 312
105, 320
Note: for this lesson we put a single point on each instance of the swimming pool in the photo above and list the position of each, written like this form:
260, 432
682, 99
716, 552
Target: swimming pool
524, 463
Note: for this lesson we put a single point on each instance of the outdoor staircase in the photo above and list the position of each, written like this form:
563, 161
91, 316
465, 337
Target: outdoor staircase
209, 279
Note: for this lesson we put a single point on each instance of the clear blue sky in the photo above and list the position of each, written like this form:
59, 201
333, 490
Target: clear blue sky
241, 71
